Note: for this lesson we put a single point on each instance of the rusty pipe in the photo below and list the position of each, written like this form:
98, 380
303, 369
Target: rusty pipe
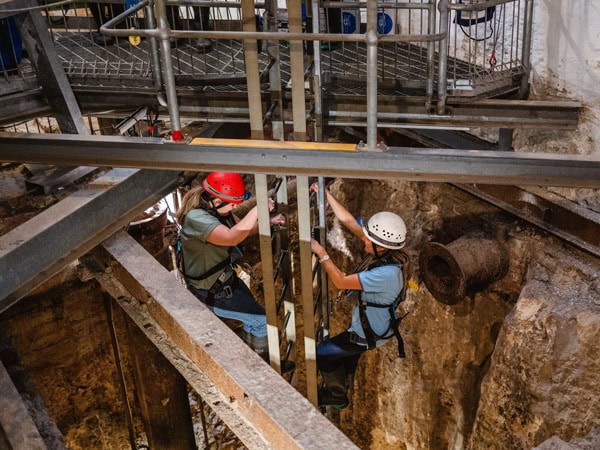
461, 268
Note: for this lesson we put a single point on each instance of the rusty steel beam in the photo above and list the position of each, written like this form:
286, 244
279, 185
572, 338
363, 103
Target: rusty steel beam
253, 390
563, 218
297, 158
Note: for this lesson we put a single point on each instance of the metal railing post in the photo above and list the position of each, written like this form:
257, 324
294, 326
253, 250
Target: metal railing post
526, 53
371, 41
431, 11
443, 58
151, 23
167, 69
324, 284
317, 90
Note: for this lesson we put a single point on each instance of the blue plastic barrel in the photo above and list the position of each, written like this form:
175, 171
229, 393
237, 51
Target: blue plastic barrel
11, 46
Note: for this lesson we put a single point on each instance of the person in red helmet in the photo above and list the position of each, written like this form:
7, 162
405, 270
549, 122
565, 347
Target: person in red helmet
210, 236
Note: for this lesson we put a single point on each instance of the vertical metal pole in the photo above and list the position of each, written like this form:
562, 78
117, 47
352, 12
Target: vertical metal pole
275, 73
443, 58
167, 69
431, 16
526, 53
308, 305
505, 139
266, 255
108, 306
297, 70
317, 92
252, 72
151, 24
324, 286
371, 40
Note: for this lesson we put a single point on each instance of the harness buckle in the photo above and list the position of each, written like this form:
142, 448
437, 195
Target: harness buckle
226, 292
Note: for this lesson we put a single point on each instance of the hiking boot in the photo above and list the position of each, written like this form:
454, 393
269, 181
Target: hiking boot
287, 366
261, 346
333, 397
333, 390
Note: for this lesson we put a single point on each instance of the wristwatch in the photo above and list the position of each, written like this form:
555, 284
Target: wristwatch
324, 258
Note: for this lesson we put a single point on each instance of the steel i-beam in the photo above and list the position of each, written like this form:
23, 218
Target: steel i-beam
306, 158
42, 246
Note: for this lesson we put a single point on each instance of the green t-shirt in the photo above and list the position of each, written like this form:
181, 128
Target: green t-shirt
199, 256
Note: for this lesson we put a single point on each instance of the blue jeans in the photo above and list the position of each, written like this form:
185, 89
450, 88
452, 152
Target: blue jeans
235, 301
339, 351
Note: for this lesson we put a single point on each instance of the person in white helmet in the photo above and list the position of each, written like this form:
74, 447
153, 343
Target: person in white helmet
378, 284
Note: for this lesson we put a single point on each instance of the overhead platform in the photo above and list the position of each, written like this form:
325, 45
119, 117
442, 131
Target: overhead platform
412, 70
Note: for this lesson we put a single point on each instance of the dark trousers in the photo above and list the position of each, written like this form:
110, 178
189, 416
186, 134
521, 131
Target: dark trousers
235, 301
338, 351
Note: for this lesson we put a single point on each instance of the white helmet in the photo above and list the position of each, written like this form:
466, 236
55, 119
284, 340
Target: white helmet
386, 229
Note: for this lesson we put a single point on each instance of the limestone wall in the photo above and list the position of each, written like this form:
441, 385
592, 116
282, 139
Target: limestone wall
509, 368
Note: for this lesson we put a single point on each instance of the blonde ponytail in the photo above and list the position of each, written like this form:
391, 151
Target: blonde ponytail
190, 200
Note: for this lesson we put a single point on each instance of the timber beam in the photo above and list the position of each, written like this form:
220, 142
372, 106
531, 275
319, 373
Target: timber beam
254, 392
306, 158
17, 428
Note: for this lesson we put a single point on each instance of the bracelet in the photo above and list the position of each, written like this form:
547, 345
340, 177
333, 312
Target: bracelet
324, 258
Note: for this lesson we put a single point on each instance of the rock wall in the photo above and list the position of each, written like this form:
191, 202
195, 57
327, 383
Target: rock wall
508, 368
545, 371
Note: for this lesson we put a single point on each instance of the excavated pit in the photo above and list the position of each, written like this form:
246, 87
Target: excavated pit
490, 376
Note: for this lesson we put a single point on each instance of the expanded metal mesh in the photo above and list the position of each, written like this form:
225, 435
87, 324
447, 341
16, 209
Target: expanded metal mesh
484, 47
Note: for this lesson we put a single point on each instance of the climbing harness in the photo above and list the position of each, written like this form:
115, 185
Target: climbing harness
399, 259
226, 266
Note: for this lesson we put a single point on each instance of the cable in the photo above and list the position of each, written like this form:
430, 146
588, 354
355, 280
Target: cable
33, 8
475, 39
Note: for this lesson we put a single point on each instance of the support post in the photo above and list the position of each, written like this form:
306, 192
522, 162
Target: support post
297, 71
266, 254
526, 53
308, 303
162, 394
371, 40
252, 71
505, 139
431, 16
317, 78
443, 58
275, 74
167, 69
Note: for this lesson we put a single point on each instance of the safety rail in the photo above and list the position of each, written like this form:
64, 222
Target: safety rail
485, 43
488, 47
466, 49
88, 55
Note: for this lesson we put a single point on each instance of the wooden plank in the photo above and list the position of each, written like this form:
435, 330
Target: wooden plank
254, 391
18, 427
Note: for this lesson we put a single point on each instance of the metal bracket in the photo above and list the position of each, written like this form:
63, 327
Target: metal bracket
381, 147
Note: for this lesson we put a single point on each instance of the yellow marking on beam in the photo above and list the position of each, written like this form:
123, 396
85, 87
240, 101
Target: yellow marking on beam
291, 145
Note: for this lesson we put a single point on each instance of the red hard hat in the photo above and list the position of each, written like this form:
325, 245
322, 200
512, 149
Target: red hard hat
228, 186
